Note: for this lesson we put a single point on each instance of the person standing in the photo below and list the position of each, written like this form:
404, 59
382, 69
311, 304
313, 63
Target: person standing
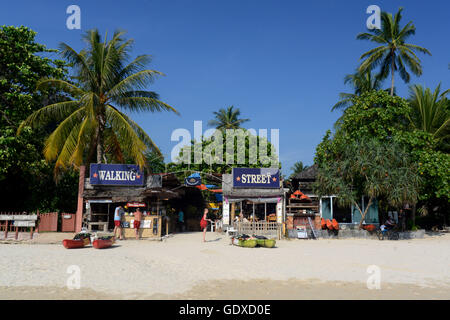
137, 222
118, 213
181, 220
204, 223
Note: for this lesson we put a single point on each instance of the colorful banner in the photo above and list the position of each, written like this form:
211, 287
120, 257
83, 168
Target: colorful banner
267, 178
116, 175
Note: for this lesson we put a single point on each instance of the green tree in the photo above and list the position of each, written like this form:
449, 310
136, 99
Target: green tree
369, 167
431, 112
361, 82
297, 168
227, 119
215, 154
377, 115
26, 182
393, 54
106, 86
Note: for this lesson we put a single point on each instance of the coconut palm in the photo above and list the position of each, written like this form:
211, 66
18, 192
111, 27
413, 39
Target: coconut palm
93, 120
361, 82
431, 111
298, 167
393, 54
227, 119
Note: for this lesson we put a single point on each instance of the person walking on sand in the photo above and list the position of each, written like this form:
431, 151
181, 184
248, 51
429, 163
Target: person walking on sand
118, 213
137, 222
204, 223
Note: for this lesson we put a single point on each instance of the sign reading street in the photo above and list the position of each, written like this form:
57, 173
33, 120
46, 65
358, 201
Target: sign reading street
268, 178
116, 175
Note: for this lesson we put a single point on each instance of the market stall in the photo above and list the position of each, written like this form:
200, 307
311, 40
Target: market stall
151, 194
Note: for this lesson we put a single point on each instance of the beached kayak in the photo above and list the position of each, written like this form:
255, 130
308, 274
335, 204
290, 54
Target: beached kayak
102, 244
266, 243
73, 244
335, 224
323, 224
248, 243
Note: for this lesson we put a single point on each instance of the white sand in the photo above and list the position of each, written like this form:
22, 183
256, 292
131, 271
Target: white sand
178, 264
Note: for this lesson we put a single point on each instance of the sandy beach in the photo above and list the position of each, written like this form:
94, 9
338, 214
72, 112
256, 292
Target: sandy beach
182, 267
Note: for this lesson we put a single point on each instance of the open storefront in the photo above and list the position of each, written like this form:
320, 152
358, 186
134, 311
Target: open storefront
254, 201
126, 186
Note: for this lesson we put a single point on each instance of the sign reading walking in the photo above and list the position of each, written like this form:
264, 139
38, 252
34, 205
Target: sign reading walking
116, 175
268, 178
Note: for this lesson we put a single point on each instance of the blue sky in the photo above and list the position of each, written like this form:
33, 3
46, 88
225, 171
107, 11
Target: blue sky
281, 62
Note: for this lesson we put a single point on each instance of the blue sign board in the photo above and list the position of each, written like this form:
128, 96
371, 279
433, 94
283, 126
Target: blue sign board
268, 178
116, 175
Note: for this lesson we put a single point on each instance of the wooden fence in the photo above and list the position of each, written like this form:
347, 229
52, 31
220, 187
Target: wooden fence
48, 222
261, 228
17, 222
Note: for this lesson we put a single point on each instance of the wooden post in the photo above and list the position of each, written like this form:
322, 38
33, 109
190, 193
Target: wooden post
17, 233
233, 211
6, 230
79, 214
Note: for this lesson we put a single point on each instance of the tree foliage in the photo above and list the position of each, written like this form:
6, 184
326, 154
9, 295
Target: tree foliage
393, 54
369, 167
94, 120
25, 183
227, 119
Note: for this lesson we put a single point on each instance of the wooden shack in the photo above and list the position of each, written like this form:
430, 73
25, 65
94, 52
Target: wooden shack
100, 202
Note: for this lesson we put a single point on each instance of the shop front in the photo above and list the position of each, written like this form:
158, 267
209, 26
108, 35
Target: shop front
254, 201
111, 185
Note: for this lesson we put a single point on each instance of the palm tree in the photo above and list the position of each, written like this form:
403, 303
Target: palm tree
361, 82
94, 120
227, 119
431, 111
297, 168
393, 54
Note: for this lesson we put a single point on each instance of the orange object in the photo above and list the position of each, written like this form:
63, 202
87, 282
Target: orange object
293, 196
102, 244
305, 197
298, 193
73, 244
370, 227
323, 223
335, 224
202, 187
329, 225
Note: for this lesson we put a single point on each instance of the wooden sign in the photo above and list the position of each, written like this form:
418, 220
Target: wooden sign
24, 224
25, 217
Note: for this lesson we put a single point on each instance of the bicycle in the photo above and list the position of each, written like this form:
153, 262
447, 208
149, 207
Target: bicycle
390, 234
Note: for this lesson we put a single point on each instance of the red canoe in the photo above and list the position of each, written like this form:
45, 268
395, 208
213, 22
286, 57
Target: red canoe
335, 224
73, 244
329, 225
102, 244
323, 224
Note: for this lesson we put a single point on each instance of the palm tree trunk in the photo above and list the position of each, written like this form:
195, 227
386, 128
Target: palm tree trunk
392, 72
101, 127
